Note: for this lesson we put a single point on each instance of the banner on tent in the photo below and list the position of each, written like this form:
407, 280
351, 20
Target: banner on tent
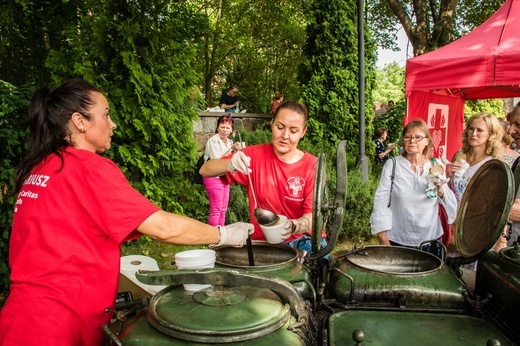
444, 116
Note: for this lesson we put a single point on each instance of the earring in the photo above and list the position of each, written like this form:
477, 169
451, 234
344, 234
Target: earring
83, 130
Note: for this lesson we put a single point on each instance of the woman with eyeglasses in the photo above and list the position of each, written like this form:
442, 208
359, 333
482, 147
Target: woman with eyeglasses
404, 214
217, 146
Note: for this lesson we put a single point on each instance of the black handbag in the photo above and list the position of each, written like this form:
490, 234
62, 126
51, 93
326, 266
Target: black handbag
197, 178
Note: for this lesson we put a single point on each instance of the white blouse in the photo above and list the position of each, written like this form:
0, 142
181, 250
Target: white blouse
215, 147
412, 216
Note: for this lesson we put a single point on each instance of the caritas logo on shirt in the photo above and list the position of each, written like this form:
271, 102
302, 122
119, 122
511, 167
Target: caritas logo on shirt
35, 180
295, 188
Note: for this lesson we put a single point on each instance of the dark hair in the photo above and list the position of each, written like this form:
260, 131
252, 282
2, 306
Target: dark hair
278, 95
379, 132
294, 106
225, 119
514, 111
232, 86
49, 115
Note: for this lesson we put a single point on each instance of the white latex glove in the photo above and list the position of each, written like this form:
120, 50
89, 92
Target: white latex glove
235, 234
239, 162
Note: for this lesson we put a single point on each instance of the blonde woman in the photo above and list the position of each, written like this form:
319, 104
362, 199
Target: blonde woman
481, 142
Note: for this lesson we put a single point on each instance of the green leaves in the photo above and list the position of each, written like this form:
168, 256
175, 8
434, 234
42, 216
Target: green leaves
13, 124
330, 81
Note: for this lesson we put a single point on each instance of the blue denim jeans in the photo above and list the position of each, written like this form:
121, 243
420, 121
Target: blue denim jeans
305, 243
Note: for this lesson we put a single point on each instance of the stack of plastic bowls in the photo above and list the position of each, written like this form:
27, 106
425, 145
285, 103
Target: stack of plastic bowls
195, 259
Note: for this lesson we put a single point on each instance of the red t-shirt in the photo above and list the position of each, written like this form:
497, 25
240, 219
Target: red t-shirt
285, 189
64, 253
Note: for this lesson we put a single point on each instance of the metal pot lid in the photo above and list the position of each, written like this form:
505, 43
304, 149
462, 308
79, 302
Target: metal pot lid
227, 314
484, 209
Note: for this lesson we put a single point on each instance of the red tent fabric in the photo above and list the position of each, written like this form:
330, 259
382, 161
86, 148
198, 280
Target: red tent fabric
483, 64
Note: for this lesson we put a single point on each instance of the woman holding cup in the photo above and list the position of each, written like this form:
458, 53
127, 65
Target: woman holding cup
282, 175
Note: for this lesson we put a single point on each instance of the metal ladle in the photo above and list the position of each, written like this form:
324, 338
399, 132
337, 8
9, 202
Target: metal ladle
263, 216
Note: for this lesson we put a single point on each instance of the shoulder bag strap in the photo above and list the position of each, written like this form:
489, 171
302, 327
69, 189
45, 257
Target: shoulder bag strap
392, 182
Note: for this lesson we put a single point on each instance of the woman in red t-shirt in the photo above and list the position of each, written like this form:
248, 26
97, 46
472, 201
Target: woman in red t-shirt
281, 174
74, 209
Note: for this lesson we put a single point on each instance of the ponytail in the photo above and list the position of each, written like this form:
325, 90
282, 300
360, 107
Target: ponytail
49, 115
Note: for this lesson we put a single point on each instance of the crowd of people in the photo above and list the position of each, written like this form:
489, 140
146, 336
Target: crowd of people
75, 207
403, 214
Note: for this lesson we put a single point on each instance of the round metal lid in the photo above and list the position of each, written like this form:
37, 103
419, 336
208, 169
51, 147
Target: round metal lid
484, 208
217, 316
320, 205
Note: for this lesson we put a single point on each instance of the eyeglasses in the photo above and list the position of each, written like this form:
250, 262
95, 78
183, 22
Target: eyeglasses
416, 138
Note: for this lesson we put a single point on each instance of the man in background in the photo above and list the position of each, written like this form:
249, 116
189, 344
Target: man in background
514, 215
229, 101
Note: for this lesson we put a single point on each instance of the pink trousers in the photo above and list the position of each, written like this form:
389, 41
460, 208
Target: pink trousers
218, 196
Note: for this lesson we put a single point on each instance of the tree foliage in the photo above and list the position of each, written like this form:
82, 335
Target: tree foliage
389, 83
330, 76
427, 24
13, 124
153, 96
254, 44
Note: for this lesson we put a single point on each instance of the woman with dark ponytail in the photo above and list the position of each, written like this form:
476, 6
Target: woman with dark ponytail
74, 209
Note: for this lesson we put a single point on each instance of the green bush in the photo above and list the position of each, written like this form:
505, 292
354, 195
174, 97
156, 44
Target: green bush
13, 125
360, 197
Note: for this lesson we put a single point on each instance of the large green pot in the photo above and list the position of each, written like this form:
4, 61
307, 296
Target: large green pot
395, 278
272, 260
241, 307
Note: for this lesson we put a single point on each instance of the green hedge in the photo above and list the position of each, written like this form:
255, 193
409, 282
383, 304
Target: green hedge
13, 124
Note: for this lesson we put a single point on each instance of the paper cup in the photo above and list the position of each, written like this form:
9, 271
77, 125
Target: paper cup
195, 259
273, 234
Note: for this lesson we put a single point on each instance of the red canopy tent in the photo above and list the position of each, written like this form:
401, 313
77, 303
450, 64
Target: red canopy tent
483, 64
